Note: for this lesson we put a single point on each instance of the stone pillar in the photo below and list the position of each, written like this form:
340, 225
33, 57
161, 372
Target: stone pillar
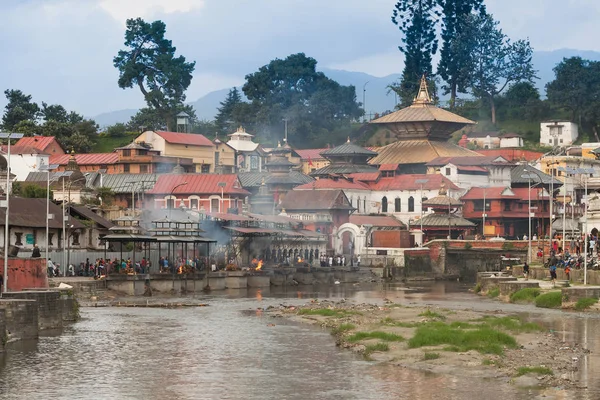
48, 304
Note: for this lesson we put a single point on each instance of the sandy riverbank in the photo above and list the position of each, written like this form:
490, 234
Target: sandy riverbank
439, 340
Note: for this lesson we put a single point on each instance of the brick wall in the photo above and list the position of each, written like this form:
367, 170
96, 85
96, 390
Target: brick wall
27, 273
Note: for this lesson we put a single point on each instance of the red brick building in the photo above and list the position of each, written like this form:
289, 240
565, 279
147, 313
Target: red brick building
45, 144
506, 210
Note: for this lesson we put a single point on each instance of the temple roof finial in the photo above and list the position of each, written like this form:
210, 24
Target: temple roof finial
423, 95
348, 141
443, 191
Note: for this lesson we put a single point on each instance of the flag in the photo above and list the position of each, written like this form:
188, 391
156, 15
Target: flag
310, 163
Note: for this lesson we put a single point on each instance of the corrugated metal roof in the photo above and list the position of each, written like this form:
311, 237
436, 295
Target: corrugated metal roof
467, 168
494, 193
422, 113
122, 183
344, 169
365, 176
198, 184
331, 184
194, 139
377, 221
348, 149
513, 154
86, 159
229, 217
417, 152
517, 173
388, 167
442, 201
409, 182
315, 200
442, 220
91, 215
312, 154
254, 179
38, 142
31, 213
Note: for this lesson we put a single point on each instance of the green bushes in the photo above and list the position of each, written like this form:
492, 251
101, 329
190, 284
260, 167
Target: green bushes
525, 295
494, 292
327, 312
534, 370
342, 328
387, 337
549, 300
585, 302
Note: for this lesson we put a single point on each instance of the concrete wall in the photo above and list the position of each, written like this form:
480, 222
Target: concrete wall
27, 273
48, 304
3, 335
21, 318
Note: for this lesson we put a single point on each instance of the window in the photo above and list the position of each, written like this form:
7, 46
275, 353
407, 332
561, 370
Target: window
19, 236
142, 152
365, 204
143, 169
50, 237
478, 205
214, 205
170, 203
411, 204
447, 171
561, 140
506, 205
205, 168
216, 158
358, 204
397, 204
126, 168
253, 163
520, 206
127, 153
75, 236
194, 204
384, 204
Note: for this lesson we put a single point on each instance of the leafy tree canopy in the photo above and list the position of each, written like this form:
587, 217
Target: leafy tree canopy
292, 89
149, 118
149, 62
227, 119
18, 109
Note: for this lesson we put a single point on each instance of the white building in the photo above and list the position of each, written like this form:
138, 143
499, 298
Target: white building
509, 140
558, 133
468, 172
26, 160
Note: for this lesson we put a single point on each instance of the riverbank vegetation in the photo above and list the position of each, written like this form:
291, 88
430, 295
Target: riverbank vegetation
585, 303
549, 300
525, 295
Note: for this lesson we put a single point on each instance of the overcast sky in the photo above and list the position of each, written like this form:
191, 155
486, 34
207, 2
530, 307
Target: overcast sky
61, 51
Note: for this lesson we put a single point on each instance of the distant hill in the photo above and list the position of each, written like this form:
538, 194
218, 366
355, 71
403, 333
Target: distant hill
376, 95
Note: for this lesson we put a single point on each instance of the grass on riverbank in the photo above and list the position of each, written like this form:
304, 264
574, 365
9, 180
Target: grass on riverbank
494, 292
431, 356
482, 339
342, 328
385, 336
327, 312
525, 295
534, 370
432, 315
549, 300
375, 347
585, 303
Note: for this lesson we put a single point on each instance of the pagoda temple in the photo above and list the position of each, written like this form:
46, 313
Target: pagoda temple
422, 131
347, 158
445, 220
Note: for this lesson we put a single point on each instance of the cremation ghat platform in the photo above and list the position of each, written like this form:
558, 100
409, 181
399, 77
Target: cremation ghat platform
148, 284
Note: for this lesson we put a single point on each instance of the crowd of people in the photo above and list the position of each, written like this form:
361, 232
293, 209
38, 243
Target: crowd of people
338, 261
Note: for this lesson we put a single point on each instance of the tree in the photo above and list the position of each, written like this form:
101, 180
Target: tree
455, 54
292, 89
496, 61
225, 120
117, 130
54, 112
149, 118
417, 20
570, 88
19, 108
29, 190
150, 64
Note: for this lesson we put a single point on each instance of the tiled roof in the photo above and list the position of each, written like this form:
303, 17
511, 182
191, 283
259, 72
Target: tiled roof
409, 182
348, 149
417, 152
469, 168
422, 113
388, 167
365, 176
306, 200
442, 220
377, 221
332, 184
38, 142
442, 200
198, 184
468, 161
26, 212
497, 193
89, 214
86, 159
512, 154
122, 183
312, 154
14, 149
194, 139
343, 169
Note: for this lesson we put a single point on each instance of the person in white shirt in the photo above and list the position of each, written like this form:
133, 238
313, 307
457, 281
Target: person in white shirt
50, 266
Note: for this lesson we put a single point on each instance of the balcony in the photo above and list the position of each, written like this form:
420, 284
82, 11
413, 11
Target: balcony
576, 210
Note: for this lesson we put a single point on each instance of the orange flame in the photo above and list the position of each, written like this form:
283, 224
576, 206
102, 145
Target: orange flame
259, 265
180, 269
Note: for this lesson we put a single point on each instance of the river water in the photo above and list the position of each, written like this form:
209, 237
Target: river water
230, 350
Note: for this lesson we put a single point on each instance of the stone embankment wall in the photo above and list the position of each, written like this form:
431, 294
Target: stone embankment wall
48, 303
21, 319
27, 273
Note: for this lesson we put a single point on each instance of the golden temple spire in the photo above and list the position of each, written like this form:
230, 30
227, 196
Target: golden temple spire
423, 97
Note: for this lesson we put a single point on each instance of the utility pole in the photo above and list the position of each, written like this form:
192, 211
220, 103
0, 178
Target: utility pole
285, 120
365, 101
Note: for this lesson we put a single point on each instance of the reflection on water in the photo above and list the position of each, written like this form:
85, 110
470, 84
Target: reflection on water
230, 350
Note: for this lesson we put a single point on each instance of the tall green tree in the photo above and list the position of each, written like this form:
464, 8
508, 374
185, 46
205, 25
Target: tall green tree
571, 88
292, 89
497, 62
149, 62
148, 118
455, 54
417, 20
18, 109
226, 120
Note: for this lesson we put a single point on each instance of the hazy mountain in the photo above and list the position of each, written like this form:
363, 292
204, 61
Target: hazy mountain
376, 94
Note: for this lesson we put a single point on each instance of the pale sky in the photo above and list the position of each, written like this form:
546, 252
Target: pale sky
60, 51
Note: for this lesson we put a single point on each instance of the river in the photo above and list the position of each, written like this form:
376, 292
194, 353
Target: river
230, 350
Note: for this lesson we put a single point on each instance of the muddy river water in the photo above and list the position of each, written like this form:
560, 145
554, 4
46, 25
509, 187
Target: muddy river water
230, 350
